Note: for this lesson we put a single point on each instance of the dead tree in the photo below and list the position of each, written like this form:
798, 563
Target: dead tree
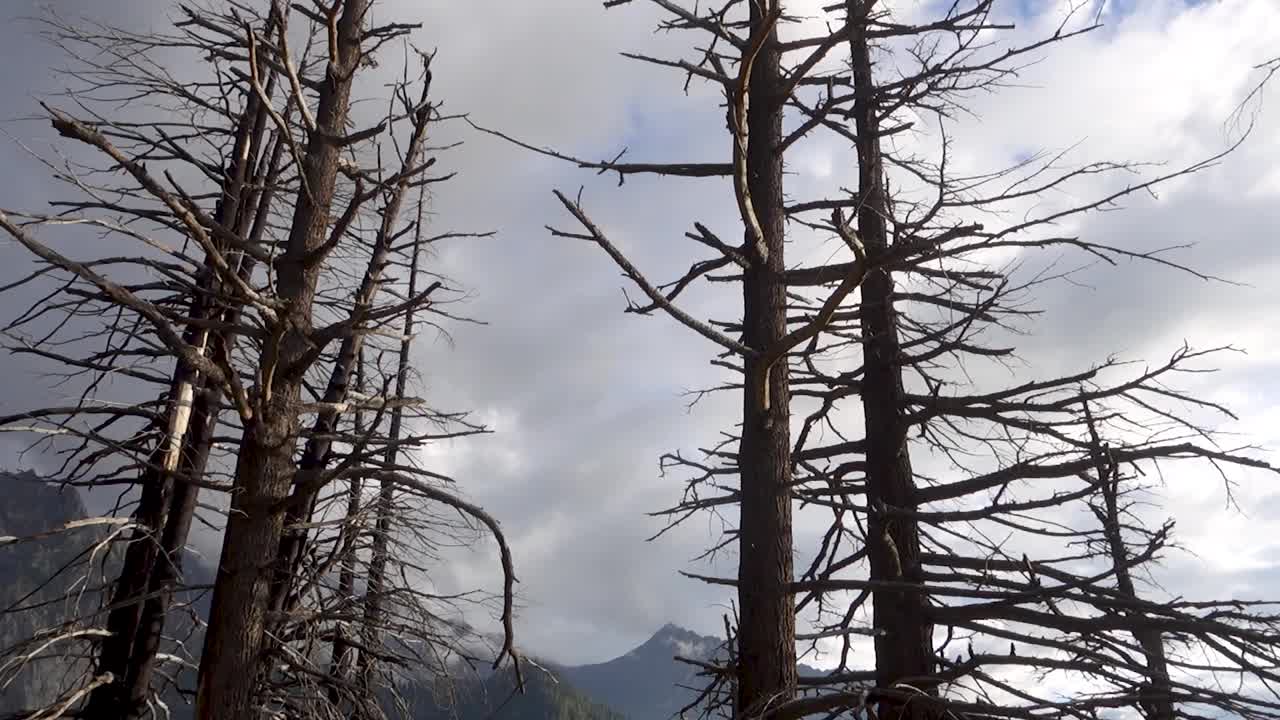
903, 639
144, 591
932, 555
377, 539
244, 315
916, 552
765, 673
1155, 694
316, 454
377, 580
343, 655
264, 465
246, 174
744, 58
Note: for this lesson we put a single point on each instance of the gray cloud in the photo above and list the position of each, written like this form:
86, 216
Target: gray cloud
583, 398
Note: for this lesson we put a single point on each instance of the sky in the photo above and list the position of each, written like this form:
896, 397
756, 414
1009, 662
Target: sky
583, 399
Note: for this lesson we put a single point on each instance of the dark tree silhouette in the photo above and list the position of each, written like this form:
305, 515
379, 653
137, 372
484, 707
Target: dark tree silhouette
998, 554
265, 237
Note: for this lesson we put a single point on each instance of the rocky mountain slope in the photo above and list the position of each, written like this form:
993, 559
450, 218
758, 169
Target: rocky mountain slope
45, 581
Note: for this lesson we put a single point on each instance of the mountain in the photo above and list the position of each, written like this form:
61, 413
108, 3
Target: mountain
647, 683
44, 584
546, 697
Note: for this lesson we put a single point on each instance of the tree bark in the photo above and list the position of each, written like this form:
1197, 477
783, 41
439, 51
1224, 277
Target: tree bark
153, 562
231, 662
344, 653
121, 699
374, 609
766, 624
316, 454
903, 643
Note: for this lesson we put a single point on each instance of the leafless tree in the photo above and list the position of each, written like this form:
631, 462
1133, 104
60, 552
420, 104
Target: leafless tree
266, 225
743, 58
928, 545
916, 562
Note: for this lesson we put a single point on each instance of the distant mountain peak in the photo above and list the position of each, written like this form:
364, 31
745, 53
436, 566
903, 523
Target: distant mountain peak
671, 640
673, 630
648, 683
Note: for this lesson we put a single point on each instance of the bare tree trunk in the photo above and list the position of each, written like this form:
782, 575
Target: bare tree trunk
904, 647
315, 456
231, 662
153, 561
117, 650
766, 629
1155, 698
386, 493
169, 567
343, 652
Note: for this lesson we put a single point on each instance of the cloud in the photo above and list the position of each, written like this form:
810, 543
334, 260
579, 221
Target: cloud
583, 398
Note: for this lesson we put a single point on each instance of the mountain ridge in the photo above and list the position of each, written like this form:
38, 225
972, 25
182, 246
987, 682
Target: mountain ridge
648, 683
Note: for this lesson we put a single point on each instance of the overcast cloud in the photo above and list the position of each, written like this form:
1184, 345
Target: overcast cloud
583, 398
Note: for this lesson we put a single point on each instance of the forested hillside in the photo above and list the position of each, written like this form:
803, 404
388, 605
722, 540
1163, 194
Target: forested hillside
545, 697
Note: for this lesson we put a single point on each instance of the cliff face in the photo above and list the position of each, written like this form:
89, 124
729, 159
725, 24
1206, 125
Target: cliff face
44, 583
